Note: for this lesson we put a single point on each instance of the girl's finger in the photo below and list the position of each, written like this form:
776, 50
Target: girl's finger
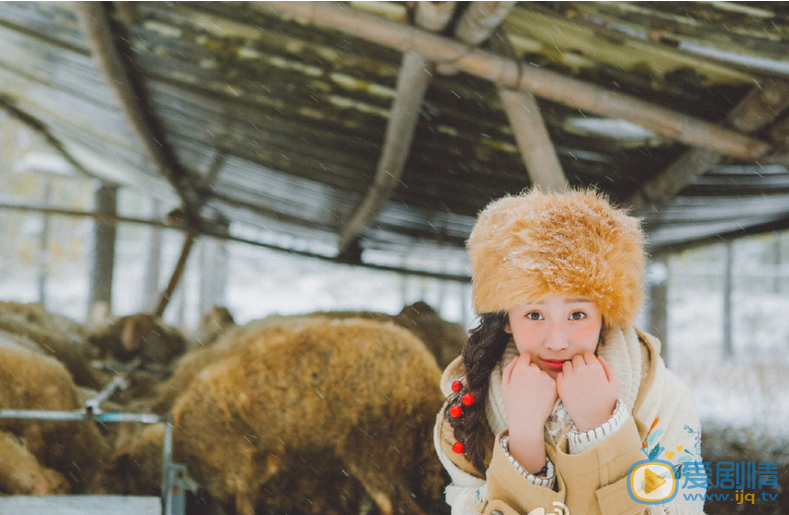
609, 371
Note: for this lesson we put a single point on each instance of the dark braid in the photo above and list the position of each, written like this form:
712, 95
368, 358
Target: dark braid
483, 350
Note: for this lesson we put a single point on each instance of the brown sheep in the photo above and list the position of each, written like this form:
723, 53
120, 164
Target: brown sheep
55, 335
142, 336
442, 338
43, 457
353, 400
214, 322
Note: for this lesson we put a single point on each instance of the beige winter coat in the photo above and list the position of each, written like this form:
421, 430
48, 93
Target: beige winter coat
659, 412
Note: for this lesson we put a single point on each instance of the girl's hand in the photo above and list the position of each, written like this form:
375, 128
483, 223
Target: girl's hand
529, 395
528, 392
588, 389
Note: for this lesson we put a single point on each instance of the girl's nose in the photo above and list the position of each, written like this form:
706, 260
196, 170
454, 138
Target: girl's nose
557, 339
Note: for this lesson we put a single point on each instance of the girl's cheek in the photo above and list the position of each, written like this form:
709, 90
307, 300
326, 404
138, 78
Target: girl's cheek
587, 336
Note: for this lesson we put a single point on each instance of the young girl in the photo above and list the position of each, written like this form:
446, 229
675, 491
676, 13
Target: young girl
556, 395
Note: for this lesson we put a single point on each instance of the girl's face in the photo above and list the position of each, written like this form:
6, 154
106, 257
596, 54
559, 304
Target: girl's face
555, 329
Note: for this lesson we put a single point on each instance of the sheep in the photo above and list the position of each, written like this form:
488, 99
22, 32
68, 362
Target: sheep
39, 456
213, 323
352, 400
443, 339
53, 334
138, 336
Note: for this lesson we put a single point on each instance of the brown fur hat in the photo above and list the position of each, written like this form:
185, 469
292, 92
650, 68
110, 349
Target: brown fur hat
526, 247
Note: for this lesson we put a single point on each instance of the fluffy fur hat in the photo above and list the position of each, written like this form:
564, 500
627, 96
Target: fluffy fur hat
526, 247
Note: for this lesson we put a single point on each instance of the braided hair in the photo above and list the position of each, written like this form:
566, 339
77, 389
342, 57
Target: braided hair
483, 350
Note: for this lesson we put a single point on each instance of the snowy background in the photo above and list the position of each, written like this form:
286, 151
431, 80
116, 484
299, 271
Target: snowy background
746, 392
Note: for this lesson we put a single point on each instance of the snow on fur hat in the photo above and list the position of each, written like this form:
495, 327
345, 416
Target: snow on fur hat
526, 247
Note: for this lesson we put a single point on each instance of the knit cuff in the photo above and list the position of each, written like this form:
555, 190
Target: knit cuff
580, 442
548, 481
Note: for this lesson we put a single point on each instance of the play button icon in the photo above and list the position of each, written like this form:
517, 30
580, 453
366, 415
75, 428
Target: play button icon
652, 482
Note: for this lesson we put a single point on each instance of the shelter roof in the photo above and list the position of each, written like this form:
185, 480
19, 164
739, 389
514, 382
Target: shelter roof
369, 126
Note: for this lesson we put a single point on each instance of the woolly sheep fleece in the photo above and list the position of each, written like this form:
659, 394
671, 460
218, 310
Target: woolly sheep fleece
355, 394
524, 248
43, 457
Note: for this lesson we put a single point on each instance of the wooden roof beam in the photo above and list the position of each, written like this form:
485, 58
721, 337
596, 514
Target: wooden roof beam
482, 22
542, 83
434, 16
755, 112
95, 24
531, 133
412, 81
42, 130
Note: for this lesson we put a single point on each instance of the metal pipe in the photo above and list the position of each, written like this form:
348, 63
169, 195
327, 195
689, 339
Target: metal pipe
80, 415
118, 383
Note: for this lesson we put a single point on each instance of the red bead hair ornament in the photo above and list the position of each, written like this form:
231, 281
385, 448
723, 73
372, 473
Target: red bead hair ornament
456, 411
467, 399
457, 386
458, 447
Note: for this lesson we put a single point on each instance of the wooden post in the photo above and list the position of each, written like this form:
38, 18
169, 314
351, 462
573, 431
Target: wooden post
164, 298
728, 286
213, 274
657, 285
775, 238
43, 255
153, 260
103, 257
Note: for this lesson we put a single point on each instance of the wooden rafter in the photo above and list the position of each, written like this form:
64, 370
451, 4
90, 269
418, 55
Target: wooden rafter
528, 125
434, 16
756, 111
42, 130
480, 19
412, 81
482, 22
95, 24
542, 83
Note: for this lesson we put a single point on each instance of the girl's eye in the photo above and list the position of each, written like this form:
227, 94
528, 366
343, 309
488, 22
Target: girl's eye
577, 315
533, 316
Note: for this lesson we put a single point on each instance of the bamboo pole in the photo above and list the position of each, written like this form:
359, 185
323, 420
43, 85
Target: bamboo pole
542, 83
757, 110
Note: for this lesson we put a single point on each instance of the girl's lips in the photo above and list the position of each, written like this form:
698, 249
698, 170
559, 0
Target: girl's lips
554, 364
